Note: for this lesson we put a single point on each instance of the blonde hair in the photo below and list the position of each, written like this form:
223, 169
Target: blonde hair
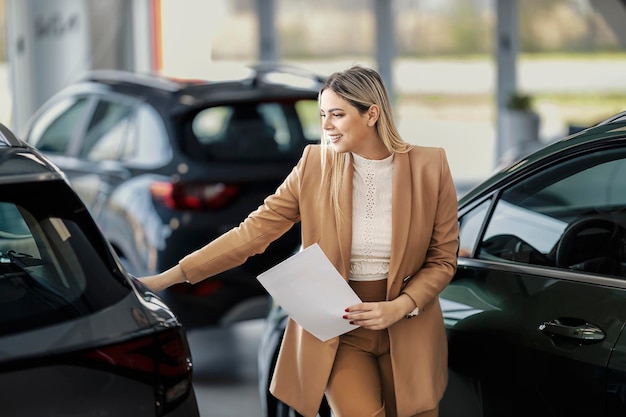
361, 87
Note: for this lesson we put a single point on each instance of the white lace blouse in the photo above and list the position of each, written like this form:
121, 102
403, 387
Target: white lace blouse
371, 218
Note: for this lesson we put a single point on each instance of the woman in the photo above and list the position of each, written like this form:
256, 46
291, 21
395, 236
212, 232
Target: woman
384, 213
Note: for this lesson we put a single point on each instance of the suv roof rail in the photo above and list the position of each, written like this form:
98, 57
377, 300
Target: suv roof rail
284, 74
265, 67
7, 138
117, 76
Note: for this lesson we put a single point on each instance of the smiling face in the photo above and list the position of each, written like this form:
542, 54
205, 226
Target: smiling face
348, 130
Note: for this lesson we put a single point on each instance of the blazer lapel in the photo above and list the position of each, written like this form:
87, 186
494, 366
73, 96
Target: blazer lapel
401, 201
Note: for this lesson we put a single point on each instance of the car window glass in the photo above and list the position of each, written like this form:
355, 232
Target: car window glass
469, 228
107, 131
209, 124
50, 269
569, 216
274, 115
262, 131
147, 144
309, 115
55, 128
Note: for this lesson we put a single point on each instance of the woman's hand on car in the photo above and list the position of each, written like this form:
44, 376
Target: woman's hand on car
161, 281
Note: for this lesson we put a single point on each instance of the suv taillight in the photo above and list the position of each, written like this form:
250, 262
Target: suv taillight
193, 196
162, 360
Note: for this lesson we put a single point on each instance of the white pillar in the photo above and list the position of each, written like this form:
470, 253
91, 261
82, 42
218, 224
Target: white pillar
385, 42
268, 43
48, 48
507, 46
146, 35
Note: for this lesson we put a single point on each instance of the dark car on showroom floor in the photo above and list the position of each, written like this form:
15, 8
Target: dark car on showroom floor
78, 335
166, 165
536, 311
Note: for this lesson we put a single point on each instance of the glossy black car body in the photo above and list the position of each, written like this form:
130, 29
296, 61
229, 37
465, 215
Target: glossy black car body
78, 336
166, 165
536, 311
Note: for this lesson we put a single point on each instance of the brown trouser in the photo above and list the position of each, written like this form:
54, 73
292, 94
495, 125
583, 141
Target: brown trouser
361, 381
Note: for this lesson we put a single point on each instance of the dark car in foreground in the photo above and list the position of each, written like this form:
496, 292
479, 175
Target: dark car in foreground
536, 311
78, 335
166, 165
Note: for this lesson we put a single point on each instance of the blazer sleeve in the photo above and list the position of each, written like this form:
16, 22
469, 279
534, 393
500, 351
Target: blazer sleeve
441, 256
278, 213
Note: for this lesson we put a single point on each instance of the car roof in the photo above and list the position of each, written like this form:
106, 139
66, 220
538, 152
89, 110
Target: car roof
19, 162
233, 82
611, 130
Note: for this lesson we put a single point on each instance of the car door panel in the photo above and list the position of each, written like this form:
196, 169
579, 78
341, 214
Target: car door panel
536, 308
616, 377
501, 343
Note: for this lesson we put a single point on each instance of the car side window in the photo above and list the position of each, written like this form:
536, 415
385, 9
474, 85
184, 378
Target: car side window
261, 131
55, 129
209, 124
147, 144
470, 225
274, 115
45, 263
571, 216
105, 138
309, 116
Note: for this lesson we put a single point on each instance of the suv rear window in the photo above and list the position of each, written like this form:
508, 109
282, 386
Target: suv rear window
262, 131
54, 264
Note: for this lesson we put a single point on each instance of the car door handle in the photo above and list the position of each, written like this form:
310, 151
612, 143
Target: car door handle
573, 329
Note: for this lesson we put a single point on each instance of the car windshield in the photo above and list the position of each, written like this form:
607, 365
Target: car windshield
260, 131
54, 265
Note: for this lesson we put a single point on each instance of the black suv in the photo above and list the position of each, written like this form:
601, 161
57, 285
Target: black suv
78, 335
166, 165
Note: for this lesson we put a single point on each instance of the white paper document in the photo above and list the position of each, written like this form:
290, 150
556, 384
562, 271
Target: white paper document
311, 290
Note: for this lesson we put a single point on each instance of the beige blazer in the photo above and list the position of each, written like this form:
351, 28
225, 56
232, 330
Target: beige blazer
424, 239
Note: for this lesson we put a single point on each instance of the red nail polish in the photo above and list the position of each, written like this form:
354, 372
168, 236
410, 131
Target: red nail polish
351, 322
345, 317
347, 310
